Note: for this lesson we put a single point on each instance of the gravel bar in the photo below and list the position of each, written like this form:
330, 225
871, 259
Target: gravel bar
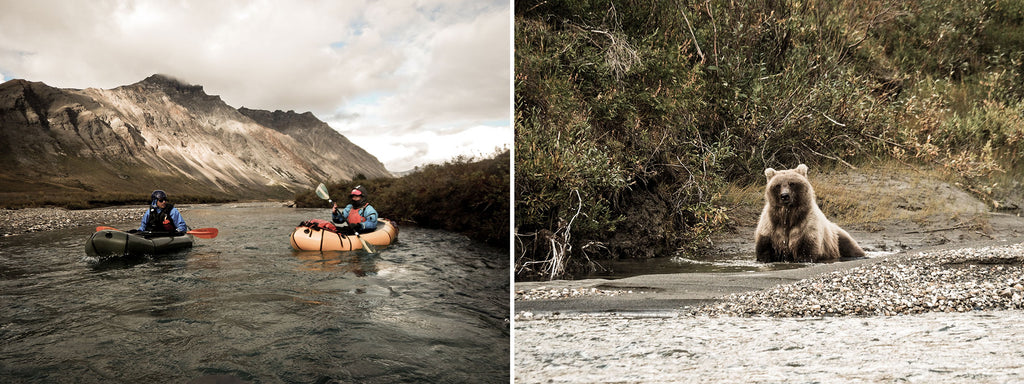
18, 221
945, 316
545, 293
960, 280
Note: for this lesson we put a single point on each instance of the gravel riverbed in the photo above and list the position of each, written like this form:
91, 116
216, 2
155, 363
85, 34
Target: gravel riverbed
26, 220
959, 280
941, 316
17, 221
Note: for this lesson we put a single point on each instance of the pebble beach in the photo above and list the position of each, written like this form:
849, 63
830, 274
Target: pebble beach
18, 221
959, 280
27, 220
951, 315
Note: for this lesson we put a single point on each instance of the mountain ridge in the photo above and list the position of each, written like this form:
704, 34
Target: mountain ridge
162, 132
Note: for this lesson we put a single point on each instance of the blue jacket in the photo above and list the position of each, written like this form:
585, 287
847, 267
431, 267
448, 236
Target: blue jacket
367, 212
173, 215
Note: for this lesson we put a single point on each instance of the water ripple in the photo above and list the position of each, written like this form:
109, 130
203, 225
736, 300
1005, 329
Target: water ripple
244, 306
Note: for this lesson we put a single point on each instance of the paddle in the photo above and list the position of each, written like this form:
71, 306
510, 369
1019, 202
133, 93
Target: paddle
321, 192
202, 233
366, 246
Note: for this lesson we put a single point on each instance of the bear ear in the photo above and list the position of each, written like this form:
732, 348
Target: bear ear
769, 173
802, 169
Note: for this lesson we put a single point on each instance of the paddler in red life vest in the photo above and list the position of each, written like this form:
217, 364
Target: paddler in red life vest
359, 216
162, 216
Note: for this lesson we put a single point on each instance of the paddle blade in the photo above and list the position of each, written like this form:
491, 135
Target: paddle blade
105, 228
321, 192
366, 246
204, 233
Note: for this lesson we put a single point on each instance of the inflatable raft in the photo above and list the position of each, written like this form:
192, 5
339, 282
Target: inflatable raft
314, 239
119, 243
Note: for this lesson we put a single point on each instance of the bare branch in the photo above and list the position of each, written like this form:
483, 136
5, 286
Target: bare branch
694, 36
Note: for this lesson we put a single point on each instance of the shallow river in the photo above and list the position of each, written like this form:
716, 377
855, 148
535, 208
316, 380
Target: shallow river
433, 307
975, 347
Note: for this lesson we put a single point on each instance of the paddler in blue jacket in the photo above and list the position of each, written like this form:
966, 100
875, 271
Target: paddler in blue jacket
162, 216
359, 215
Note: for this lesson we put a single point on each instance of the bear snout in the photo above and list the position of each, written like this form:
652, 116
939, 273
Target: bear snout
785, 197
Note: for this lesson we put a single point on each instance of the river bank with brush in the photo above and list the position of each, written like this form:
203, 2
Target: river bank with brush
943, 281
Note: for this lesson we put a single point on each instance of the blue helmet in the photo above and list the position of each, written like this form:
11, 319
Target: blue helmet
158, 195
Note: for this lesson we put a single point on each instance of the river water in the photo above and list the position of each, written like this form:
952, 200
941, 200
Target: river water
433, 307
975, 347
722, 263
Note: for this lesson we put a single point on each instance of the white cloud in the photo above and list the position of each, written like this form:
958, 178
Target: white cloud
394, 73
428, 146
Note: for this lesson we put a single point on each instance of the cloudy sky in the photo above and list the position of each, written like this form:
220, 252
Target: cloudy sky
411, 81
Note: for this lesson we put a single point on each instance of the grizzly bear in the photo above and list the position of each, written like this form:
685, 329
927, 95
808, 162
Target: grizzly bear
793, 228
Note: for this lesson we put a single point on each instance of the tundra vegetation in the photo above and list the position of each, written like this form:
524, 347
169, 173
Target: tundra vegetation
632, 118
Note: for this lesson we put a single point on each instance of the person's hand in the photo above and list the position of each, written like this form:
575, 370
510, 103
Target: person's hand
335, 209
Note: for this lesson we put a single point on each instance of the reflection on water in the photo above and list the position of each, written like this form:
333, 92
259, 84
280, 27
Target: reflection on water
725, 263
721, 263
433, 307
334, 261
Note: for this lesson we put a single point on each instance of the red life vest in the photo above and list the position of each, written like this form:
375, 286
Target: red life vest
160, 221
169, 226
354, 217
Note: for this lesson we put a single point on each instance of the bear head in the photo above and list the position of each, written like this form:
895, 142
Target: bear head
789, 187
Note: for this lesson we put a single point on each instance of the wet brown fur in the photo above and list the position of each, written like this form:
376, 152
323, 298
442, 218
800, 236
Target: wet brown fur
796, 230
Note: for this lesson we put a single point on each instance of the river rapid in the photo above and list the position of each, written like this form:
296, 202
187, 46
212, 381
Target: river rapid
244, 307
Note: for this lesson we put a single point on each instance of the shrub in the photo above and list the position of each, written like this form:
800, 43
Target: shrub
464, 196
630, 117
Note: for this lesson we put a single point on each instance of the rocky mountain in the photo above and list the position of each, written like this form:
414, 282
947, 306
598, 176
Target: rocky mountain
161, 133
